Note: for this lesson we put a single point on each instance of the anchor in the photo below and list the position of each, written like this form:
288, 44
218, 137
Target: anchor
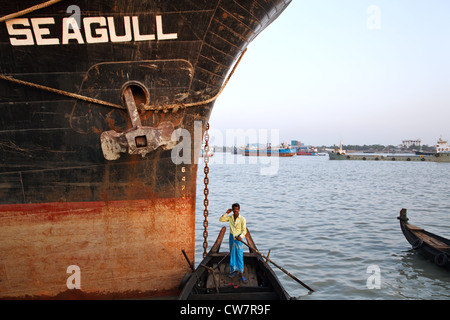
139, 139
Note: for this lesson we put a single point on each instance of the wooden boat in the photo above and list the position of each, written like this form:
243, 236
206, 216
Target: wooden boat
431, 246
210, 281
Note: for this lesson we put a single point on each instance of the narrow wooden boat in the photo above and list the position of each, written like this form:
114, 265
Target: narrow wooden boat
431, 246
210, 281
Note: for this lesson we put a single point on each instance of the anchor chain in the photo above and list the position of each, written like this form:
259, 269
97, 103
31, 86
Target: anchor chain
206, 192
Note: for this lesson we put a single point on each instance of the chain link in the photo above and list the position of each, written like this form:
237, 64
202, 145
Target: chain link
206, 192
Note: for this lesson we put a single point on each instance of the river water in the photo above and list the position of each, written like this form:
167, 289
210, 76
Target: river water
333, 224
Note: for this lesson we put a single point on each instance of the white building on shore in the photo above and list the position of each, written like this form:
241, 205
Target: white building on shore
409, 143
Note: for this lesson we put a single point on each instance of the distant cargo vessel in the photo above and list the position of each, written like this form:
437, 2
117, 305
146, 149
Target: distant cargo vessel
302, 150
97, 198
307, 151
283, 150
441, 154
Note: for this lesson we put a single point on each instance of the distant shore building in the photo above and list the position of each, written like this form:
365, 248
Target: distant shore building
409, 143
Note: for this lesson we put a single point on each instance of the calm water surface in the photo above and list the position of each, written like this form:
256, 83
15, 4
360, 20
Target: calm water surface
327, 222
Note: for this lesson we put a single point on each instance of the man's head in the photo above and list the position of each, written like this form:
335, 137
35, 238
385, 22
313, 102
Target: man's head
236, 207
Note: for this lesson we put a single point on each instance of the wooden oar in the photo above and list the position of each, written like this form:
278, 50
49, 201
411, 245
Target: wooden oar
279, 267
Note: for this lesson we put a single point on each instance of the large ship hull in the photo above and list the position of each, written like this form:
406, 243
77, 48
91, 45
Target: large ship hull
98, 196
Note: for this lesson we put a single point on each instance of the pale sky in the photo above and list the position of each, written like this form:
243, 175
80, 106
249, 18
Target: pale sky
356, 71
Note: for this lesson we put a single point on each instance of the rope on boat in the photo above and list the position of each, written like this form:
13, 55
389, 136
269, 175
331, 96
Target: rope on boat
28, 10
164, 108
61, 92
196, 104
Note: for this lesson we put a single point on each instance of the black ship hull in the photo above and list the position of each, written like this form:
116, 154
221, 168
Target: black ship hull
103, 107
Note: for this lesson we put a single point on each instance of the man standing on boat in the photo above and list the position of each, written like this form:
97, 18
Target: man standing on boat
238, 230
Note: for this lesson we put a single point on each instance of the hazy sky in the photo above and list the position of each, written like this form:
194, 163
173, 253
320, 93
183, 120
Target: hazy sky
363, 72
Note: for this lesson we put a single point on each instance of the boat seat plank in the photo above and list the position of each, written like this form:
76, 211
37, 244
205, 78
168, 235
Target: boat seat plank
223, 280
433, 241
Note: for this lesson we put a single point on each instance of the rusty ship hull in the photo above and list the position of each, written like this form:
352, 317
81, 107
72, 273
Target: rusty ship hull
103, 106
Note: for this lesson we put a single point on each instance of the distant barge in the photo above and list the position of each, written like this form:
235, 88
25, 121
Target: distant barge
387, 157
441, 154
